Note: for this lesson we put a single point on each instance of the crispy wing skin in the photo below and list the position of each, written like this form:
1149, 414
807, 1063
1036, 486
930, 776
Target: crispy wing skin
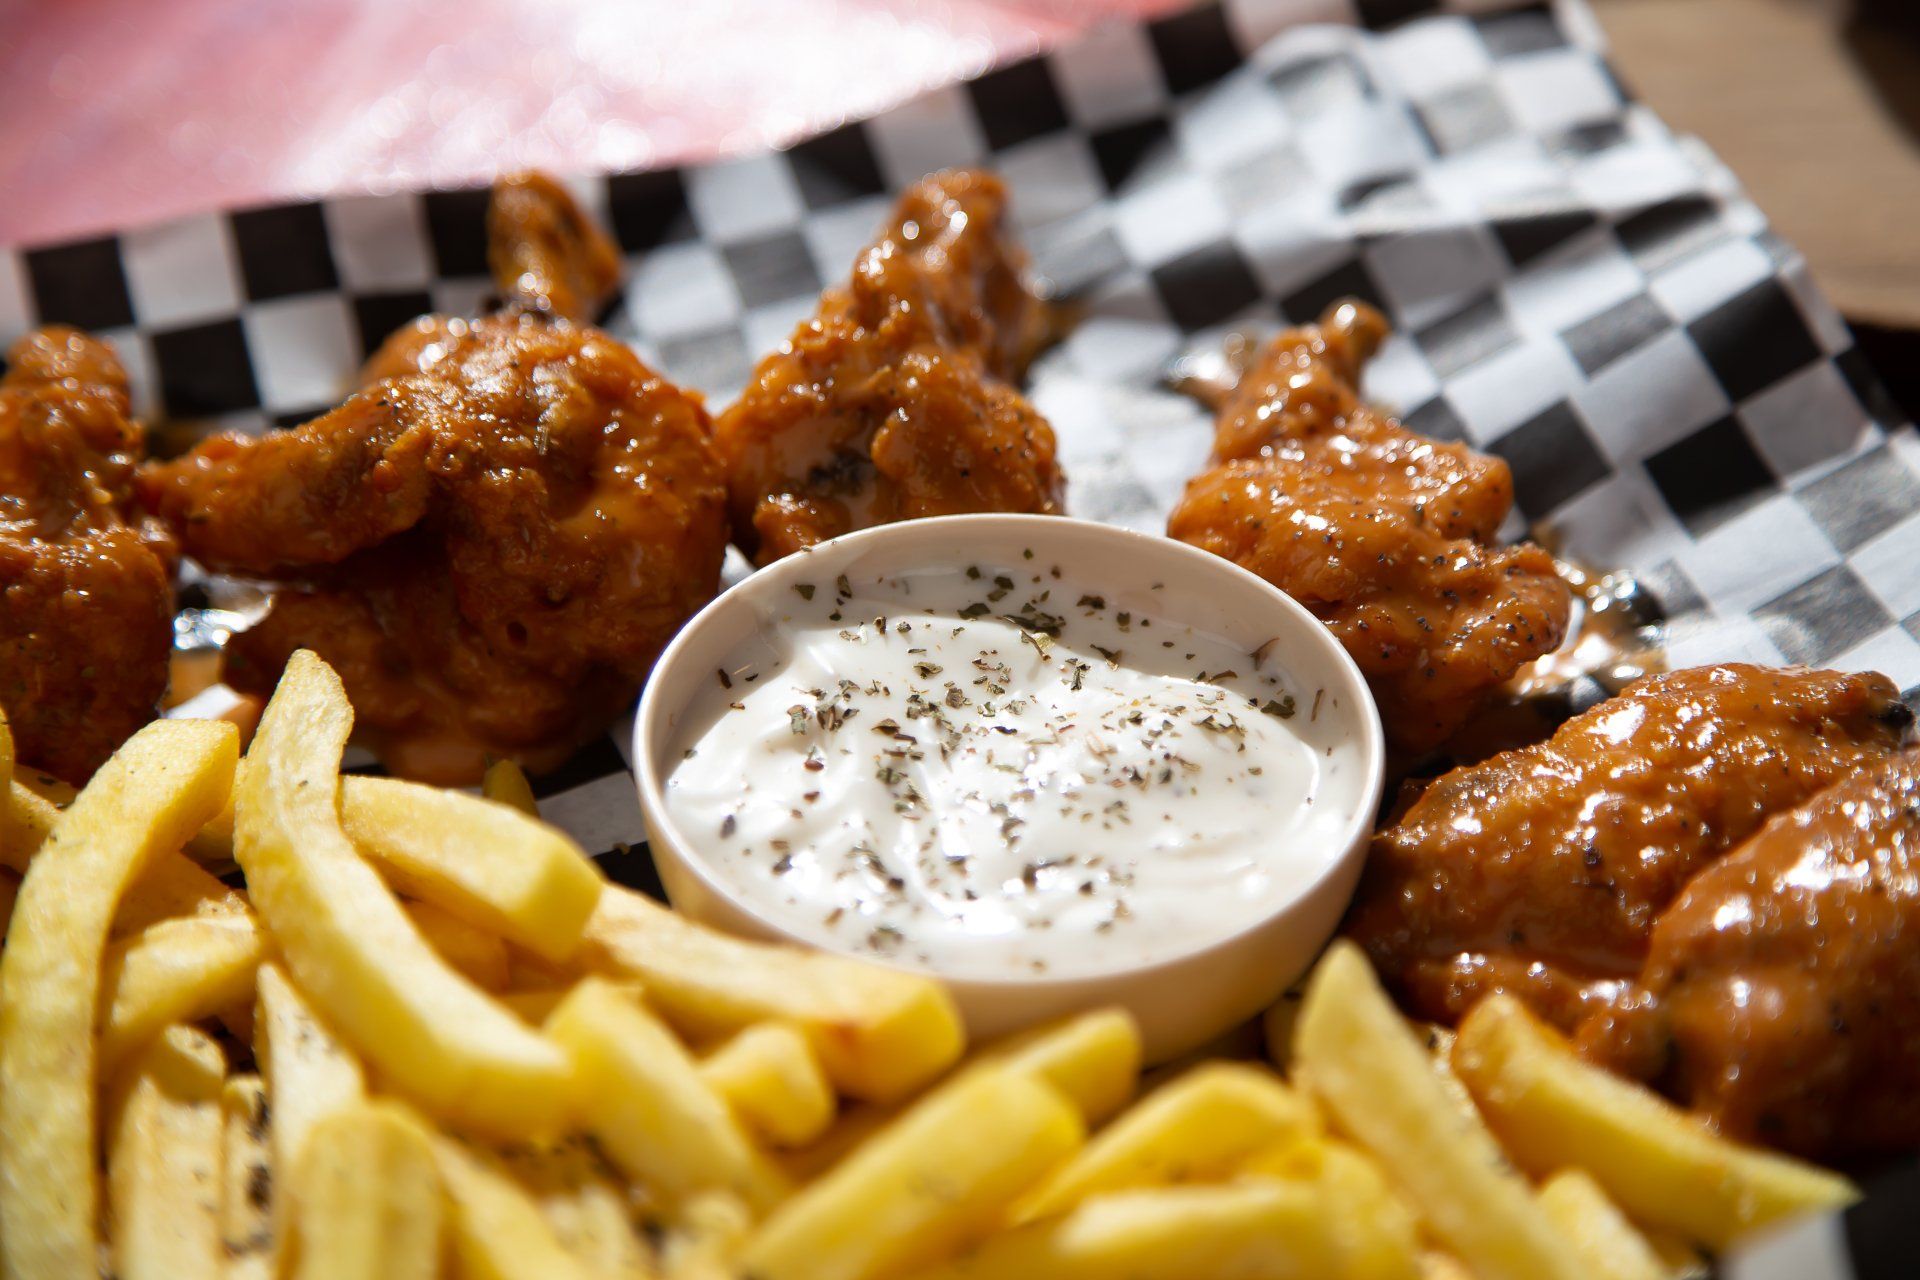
1781, 995
1542, 871
895, 401
491, 551
1387, 536
86, 597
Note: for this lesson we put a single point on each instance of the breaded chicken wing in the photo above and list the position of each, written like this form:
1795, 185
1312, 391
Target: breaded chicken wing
895, 401
1781, 995
491, 544
86, 597
1387, 536
1541, 871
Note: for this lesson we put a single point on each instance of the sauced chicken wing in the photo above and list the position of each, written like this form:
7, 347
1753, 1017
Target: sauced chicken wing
894, 401
491, 544
86, 600
1781, 995
1541, 871
1387, 536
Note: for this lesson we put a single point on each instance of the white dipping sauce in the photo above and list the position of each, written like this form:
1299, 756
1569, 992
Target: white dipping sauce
987, 771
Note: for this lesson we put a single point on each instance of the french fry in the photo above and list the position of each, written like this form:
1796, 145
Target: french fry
309, 1075
179, 970
498, 1231
706, 1238
366, 1198
1377, 1081
848, 1132
176, 886
1094, 1059
506, 783
1373, 1233
642, 1096
488, 863
9, 890
164, 1153
880, 1033
1662, 1166
28, 819
478, 955
586, 1207
1599, 1233
927, 1185
153, 794
246, 1200
431, 1033
1198, 1128
770, 1077
1261, 1230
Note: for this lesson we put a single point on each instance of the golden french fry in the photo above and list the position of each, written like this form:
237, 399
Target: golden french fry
9, 889
1259, 1230
176, 886
880, 1033
770, 1077
586, 1207
28, 819
164, 1155
431, 1033
146, 800
179, 970
488, 863
506, 783
1443, 1266
1374, 1234
1662, 1166
1599, 1233
642, 1096
705, 1238
366, 1198
1094, 1059
309, 1075
848, 1132
926, 1186
246, 1200
1197, 1128
1374, 1075
498, 1231
479, 955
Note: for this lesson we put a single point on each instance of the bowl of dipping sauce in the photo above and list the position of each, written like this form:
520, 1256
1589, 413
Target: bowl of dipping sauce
1056, 764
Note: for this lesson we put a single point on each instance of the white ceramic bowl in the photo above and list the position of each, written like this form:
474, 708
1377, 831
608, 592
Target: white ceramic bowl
1180, 1001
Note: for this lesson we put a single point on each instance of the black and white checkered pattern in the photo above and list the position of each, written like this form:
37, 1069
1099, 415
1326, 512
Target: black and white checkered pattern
1574, 288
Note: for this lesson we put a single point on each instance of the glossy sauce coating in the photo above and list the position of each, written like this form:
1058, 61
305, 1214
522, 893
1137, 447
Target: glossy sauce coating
1387, 536
1781, 996
86, 598
491, 552
1542, 871
894, 401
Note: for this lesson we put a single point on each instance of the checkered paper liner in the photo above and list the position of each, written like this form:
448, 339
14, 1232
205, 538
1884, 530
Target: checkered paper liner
1573, 287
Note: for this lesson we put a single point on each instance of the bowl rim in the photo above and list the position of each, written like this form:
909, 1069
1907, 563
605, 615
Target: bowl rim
657, 701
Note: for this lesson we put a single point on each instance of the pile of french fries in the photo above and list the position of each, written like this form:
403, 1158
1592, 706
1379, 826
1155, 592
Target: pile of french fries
429, 1040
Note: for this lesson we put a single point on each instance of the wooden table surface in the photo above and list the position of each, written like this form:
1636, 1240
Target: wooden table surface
1815, 104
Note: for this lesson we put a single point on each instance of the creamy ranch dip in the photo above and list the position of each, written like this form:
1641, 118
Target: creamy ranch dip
988, 770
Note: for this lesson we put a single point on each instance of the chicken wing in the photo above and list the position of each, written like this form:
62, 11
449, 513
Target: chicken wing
895, 400
1542, 871
1387, 536
86, 597
1781, 996
491, 543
